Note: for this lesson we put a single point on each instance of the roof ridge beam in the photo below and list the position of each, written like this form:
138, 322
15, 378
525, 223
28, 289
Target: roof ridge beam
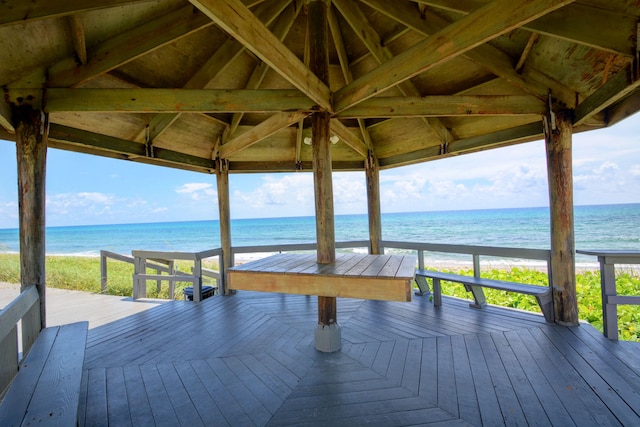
237, 20
486, 23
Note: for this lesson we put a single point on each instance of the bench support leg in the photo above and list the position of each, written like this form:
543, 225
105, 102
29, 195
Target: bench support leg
478, 296
437, 292
421, 281
546, 304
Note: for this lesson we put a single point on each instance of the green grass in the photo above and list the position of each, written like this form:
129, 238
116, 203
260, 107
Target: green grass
83, 274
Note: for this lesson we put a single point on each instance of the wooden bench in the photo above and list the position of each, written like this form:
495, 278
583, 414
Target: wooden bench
45, 390
475, 284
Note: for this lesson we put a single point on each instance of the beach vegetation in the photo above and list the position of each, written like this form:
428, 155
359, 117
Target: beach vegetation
83, 274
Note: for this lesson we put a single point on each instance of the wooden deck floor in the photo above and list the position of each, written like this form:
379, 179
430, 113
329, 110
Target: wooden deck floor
249, 359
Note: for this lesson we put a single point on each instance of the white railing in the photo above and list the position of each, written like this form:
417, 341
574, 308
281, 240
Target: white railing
475, 253
23, 310
610, 297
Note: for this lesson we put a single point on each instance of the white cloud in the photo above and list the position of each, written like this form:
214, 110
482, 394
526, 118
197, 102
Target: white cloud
278, 191
198, 190
63, 202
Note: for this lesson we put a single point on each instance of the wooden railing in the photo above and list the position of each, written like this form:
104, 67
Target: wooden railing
610, 297
475, 253
140, 275
25, 309
152, 264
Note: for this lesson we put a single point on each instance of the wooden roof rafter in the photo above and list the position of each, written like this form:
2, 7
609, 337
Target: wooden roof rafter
237, 20
215, 66
486, 23
356, 18
128, 46
575, 23
500, 64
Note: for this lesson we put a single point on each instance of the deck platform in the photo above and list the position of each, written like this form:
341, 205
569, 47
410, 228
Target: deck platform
220, 362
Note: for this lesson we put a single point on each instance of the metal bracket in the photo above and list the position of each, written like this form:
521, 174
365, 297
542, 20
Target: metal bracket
148, 144
222, 165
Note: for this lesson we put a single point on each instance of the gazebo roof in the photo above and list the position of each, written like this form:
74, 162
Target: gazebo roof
183, 83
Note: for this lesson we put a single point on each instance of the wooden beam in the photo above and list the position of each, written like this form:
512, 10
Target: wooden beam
128, 46
214, 67
522, 133
280, 30
446, 106
349, 138
625, 108
176, 100
558, 141
31, 151
5, 117
77, 34
129, 150
20, 11
369, 36
487, 56
485, 24
578, 23
338, 42
615, 89
240, 23
14, 11
262, 131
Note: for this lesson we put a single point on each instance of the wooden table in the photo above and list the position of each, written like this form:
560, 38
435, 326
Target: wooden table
377, 277
610, 298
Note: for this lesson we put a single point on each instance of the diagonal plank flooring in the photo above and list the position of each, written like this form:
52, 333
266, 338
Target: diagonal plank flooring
249, 359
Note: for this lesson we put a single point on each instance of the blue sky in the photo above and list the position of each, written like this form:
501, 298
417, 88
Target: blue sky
86, 190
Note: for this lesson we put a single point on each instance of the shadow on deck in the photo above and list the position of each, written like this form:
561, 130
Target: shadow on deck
249, 359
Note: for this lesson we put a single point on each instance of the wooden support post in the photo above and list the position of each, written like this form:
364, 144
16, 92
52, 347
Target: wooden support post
31, 152
372, 171
558, 138
327, 337
222, 181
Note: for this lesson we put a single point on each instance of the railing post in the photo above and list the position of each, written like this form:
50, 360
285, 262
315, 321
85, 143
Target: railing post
476, 265
103, 272
608, 288
420, 259
197, 282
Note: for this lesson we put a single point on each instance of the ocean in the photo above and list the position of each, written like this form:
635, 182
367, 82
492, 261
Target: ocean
596, 227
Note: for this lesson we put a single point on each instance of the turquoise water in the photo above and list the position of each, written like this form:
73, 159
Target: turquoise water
596, 227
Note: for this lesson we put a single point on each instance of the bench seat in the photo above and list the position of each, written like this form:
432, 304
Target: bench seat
46, 389
475, 284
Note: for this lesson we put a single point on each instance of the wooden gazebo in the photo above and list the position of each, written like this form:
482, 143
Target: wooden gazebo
239, 86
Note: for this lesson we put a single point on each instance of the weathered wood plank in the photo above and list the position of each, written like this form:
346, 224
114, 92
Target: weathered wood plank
239, 22
485, 23
176, 100
118, 406
55, 398
447, 106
